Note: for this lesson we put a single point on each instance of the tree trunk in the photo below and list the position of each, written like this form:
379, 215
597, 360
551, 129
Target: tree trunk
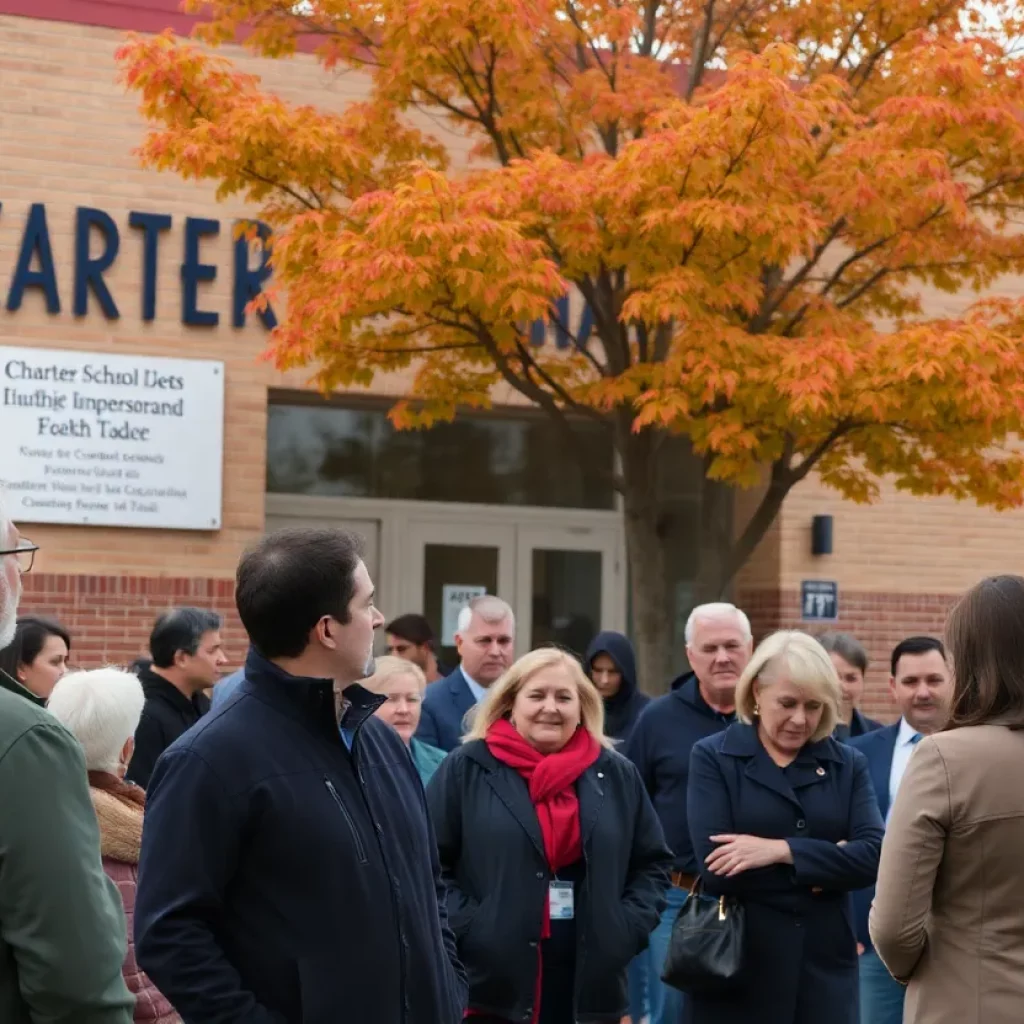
648, 580
715, 542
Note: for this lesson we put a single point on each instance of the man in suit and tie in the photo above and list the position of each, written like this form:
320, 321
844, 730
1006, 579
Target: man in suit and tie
485, 641
921, 686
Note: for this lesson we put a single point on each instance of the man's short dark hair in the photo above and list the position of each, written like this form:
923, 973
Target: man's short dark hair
180, 629
849, 648
916, 645
412, 628
289, 580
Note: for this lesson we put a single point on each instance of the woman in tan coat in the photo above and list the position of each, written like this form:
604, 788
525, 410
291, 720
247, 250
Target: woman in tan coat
101, 709
948, 914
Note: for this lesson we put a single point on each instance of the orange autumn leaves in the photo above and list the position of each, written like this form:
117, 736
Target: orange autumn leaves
752, 241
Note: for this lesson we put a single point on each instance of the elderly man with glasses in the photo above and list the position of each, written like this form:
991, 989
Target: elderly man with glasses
62, 932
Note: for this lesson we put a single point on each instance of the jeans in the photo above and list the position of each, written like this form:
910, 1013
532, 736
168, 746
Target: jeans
881, 995
666, 1002
639, 978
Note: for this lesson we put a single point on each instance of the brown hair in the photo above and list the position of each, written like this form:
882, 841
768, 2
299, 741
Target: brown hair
985, 632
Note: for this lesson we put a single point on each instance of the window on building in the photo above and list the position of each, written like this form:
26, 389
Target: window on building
319, 447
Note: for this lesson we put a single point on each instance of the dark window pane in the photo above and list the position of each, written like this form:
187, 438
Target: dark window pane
454, 565
566, 598
494, 460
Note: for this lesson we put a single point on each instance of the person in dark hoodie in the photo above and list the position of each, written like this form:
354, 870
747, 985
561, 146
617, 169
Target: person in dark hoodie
701, 703
611, 664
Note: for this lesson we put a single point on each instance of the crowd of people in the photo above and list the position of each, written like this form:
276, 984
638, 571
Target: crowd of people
334, 838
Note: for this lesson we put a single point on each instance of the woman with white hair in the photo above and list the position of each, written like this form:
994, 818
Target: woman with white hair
785, 819
403, 683
101, 709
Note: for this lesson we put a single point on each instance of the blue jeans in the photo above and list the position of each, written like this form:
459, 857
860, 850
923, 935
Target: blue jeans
666, 1002
639, 978
881, 995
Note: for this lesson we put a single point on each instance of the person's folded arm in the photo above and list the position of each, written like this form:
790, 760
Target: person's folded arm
915, 840
190, 846
710, 814
60, 916
854, 863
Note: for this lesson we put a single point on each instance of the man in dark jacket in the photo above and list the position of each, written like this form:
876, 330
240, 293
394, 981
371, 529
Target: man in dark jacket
62, 940
187, 656
701, 703
289, 870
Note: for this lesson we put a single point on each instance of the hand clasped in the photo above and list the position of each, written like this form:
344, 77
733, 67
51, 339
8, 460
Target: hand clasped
738, 853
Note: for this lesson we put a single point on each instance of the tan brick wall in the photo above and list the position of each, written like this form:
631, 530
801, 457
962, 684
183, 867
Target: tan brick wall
110, 617
67, 135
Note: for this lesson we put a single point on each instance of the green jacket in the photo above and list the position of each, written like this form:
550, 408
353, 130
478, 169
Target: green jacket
62, 927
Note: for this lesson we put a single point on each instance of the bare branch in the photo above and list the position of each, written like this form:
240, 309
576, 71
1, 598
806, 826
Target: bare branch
700, 51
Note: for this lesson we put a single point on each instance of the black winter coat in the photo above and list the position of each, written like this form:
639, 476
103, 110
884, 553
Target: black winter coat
286, 880
800, 950
492, 857
166, 714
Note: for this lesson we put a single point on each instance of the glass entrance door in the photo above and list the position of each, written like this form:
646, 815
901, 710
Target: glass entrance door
568, 585
448, 565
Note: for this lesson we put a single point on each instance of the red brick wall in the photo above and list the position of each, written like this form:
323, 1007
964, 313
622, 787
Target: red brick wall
110, 617
878, 620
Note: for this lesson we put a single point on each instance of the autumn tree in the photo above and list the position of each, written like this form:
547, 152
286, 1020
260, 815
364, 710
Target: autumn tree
749, 196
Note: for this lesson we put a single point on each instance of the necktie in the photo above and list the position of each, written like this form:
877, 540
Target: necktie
915, 739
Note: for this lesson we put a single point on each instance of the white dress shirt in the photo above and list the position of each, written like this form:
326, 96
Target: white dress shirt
478, 691
906, 739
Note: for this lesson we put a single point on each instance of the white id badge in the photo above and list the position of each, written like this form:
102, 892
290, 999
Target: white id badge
561, 901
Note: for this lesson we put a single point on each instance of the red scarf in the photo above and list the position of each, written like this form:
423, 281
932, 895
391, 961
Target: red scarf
551, 778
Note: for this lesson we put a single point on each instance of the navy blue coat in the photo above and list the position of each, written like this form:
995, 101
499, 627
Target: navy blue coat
492, 854
660, 746
444, 707
877, 747
286, 880
800, 953
622, 710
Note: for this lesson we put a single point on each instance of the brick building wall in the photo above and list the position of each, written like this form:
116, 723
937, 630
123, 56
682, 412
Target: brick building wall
110, 617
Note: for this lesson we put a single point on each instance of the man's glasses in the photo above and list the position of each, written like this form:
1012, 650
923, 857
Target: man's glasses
25, 553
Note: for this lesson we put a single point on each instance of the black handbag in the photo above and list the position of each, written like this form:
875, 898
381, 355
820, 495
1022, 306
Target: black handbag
705, 953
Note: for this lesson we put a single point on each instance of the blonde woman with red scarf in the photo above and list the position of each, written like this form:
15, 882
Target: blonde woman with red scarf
554, 858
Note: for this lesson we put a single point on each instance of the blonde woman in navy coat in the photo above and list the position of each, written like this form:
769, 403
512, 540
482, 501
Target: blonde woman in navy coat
786, 819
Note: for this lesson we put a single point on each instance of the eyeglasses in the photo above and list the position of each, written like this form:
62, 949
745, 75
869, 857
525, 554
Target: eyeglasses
25, 552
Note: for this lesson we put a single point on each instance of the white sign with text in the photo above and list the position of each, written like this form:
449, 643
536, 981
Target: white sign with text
455, 597
89, 438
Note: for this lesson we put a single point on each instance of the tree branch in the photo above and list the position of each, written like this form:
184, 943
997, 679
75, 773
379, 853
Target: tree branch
700, 48
782, 480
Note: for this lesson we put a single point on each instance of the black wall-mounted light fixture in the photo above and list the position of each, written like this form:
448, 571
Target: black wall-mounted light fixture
821, 535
